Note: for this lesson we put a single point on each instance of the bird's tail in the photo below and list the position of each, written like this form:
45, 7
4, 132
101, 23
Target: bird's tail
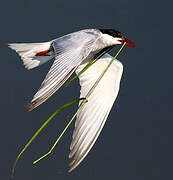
33, 54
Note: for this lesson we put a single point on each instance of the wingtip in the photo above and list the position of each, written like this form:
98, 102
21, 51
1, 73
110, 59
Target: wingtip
72, 167
70, 170
31, 106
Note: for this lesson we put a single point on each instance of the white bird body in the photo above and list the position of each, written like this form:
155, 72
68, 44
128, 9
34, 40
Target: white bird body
71, 53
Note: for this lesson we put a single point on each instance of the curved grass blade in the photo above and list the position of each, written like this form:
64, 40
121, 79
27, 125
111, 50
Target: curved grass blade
81, 105
41, 128
56, 142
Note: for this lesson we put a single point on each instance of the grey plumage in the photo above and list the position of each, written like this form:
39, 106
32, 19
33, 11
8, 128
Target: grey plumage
70, 51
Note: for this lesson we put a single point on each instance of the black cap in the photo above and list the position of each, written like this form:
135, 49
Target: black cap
112, 32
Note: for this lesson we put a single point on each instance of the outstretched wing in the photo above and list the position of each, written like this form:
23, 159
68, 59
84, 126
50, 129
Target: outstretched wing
93, 115
70, 51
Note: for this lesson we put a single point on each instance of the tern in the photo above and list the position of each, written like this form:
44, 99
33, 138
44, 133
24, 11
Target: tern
71, 53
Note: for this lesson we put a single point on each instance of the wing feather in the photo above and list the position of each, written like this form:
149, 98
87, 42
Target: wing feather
70, 51
93, 115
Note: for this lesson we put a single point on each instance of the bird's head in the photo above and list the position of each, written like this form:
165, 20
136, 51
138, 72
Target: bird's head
118, 37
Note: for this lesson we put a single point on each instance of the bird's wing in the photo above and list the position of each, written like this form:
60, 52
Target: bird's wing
94, 113
70, 51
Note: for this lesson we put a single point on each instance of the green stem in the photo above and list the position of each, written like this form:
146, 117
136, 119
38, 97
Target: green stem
88, 65
41, 128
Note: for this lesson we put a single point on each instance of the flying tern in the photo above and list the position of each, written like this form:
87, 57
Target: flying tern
70, 54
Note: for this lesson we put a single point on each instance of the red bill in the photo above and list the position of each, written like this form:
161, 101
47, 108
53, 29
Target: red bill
128, 43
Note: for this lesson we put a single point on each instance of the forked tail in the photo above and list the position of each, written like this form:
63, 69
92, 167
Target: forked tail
33, 54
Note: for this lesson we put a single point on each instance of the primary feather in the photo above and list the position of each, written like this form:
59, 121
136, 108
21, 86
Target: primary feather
70, 51
93, 115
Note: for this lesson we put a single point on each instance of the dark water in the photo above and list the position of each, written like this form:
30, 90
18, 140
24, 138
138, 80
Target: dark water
136, 142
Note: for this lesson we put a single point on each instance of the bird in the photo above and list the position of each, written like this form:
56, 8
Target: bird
71, 53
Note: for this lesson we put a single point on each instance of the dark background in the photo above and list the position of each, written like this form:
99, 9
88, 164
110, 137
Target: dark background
136, 142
